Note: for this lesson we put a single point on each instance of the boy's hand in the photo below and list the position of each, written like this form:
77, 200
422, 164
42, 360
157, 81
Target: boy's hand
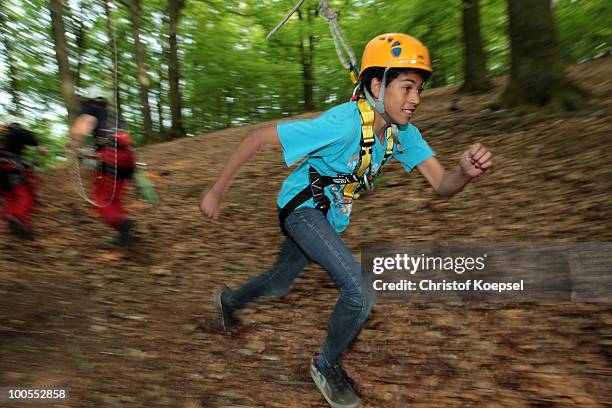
476, 160
211, 204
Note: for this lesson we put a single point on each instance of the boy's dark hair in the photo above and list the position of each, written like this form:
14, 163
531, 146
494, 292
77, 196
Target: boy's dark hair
377, 72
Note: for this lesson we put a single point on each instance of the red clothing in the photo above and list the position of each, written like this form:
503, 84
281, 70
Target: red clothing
17, 188
109, 185
107, 195
18, 202
124, 159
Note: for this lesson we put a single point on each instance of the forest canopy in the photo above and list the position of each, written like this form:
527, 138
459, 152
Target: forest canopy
186, 67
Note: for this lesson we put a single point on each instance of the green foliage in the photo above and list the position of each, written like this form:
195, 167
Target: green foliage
54, 145
584, 28
230, 75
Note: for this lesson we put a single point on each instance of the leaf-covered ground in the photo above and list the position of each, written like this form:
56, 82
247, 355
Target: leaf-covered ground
140, 329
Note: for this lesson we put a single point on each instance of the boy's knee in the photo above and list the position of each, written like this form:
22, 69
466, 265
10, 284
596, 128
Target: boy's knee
369, 298
368, 293
362, 298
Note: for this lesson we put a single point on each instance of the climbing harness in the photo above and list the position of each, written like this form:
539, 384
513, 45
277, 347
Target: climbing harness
361, 179
89, 156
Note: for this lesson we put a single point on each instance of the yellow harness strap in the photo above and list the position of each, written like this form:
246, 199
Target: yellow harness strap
367, 144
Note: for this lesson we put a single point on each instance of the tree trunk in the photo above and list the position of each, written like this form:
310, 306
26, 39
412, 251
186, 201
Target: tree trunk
309, 76
143, 77
474, 58
112, 45
174, 14
160, 90
536, 71
80, 44
56, 8
306, 59
9, 53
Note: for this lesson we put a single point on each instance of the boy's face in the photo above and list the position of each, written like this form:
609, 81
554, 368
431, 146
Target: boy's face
402, 97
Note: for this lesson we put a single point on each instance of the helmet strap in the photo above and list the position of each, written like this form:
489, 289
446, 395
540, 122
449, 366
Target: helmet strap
376, 104
379, 105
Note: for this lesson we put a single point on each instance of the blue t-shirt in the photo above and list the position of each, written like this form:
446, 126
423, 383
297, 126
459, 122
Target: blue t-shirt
330, 144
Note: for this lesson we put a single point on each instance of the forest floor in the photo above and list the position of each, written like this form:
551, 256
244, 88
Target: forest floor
141, 329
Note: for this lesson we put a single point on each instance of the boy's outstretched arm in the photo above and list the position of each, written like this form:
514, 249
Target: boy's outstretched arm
262, 137
473, 163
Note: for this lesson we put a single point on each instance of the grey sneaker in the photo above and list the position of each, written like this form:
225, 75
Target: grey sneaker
227, 314
335, 386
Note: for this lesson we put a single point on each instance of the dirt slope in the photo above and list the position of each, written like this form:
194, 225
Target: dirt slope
140, 330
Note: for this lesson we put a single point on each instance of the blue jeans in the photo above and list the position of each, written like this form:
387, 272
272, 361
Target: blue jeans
311, 237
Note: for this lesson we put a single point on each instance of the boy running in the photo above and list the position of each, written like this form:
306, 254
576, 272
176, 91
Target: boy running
343, 150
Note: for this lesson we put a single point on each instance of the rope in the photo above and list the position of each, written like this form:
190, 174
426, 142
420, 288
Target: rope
76, 168
282, 23
341, 44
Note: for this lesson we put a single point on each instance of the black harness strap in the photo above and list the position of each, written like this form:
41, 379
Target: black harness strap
122, 173
353, 182
315, 190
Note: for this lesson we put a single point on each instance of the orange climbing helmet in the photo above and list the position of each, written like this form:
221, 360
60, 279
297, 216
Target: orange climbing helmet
395, 50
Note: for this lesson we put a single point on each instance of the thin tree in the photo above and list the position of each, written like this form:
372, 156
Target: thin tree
58, 32
174, 14
474, 57
537, 76
112, 45
163, 56
307, 47
9, 55
80, 38
135, 11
